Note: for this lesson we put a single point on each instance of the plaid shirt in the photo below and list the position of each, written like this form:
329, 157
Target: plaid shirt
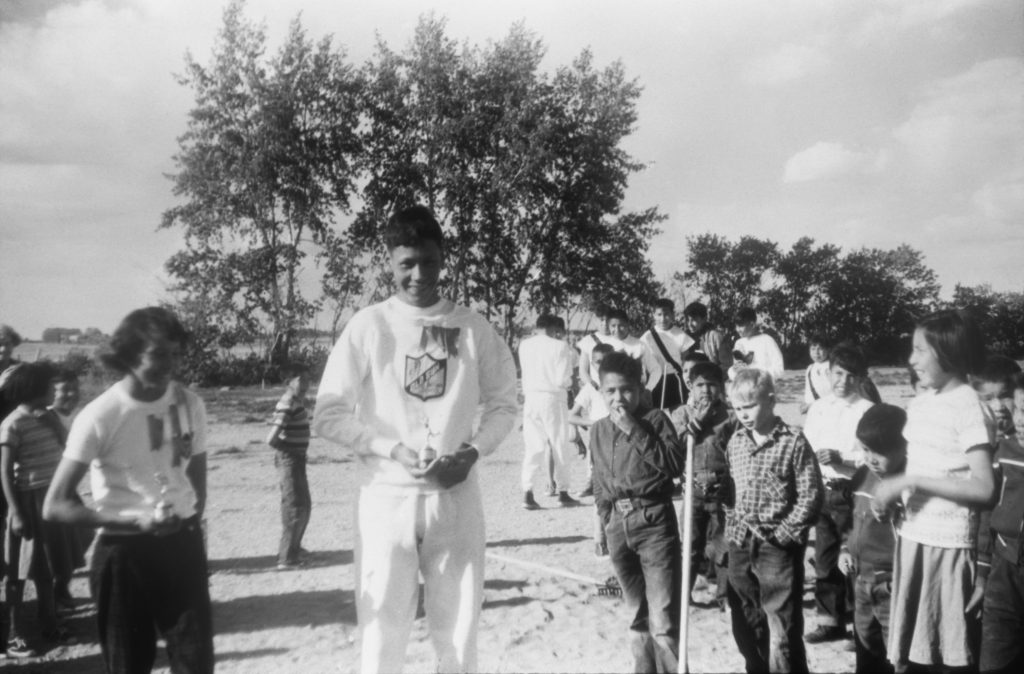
774, 489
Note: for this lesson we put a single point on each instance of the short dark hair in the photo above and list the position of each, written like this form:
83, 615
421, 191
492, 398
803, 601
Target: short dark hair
997, 369
746, 315
603, 347
558, 323
622, 364
819, 339
9, 334
65, 375
601, 309
618, 314
544, 321
26, 382
708, 370
665, 304
880, 429
696, 310
411, 227
1017, 382
696, 357
850, 358
134, 334
957, 341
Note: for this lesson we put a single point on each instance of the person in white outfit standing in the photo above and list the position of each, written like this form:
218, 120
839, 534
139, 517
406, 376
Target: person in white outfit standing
404, 387
547, 367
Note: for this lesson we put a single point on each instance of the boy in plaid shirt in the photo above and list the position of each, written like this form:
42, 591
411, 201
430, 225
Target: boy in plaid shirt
773, 495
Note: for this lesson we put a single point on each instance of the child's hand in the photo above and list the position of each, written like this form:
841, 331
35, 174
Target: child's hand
408, 459
19, 527
454, 469
148, 524
621, 418
888, 492
846, 565
977, 596
828, 456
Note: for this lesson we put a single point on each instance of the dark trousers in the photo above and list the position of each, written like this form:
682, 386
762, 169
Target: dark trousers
765, 590
872, 593
153, 586
1002, 622
645, 552
830, 585
296, 504
672, 389
709, 553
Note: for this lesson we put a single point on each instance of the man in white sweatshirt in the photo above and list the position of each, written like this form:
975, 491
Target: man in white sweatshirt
547, 366
403, 387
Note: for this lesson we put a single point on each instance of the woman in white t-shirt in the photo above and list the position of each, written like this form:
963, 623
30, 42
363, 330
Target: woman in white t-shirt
936, 592
143, 441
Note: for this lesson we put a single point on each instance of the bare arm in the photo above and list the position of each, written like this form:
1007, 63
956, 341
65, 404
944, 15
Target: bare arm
196, 473
978, 489
11, 492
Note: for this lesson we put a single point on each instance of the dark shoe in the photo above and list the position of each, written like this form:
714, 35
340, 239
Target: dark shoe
566, 501
586, 492
62, 636
529, 502
823, 633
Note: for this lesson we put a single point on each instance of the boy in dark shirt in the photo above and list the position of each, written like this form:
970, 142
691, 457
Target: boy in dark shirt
869, 545
707, 418
1001, 549
636, 454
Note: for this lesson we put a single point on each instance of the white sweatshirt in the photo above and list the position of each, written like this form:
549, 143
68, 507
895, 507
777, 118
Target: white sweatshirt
416, 376
547, 364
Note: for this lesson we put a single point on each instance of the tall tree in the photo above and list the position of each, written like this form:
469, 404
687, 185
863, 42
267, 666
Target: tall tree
265, 166
730, 275
801, 276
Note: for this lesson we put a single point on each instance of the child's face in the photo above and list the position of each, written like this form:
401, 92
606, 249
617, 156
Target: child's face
693, 324
65, 396
663, 318
818, 353
880, 464
999, 400
745, 329
156, 364
299, 384
687, 366
926, 363
705, 391
6, 350
597, 359
844, 383
620, 392
1018, 413
618, 328
755, 411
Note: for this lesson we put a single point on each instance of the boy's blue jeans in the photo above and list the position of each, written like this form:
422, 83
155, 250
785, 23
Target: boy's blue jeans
766, 584
296, 504
872, 593
643, 543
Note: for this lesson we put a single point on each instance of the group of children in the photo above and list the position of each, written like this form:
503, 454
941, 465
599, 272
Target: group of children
39, 403
917, 514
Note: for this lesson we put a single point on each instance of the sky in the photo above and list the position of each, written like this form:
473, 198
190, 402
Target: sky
857, 123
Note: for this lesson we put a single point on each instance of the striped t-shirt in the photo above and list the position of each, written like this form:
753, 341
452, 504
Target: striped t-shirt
291, 415
35, 445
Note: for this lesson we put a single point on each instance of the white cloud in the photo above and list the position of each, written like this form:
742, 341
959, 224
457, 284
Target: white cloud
888, 19
788, 63
1002, 199
828, 160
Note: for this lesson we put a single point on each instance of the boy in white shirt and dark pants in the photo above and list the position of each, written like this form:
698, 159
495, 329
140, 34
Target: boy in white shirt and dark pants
403, 387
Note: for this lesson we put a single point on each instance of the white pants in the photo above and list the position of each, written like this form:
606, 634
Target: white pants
545, 425
400, 535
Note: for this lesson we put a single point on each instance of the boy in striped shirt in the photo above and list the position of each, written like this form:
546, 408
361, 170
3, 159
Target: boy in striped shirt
289, 436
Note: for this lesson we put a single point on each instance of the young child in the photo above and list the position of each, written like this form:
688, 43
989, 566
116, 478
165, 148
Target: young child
31, 438
666, 343
709, 340
754, 348
289, 437
994, 386
817, 383
587, 409
936, 588
585, 369
636, 455
144, 442
869, 544
1001, 544
831, 430
708, 420
689, 361
772, 497
66, 396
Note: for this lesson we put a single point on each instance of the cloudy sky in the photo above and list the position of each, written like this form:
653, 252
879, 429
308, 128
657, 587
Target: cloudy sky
861, 123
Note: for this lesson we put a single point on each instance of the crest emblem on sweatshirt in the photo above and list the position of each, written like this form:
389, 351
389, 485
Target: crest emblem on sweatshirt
425, 376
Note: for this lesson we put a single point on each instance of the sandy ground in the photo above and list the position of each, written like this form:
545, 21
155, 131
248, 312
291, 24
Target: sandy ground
304, 621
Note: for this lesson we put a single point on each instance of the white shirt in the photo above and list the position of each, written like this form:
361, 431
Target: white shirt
940, 428
767, 355
592, 403
129, 448
546, 363
676, 342
818, 380
832, 424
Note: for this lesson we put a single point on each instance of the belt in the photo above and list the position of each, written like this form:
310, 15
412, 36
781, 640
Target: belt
628, 505
879, 572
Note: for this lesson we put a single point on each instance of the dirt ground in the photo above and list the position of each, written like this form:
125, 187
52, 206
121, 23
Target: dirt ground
304, 621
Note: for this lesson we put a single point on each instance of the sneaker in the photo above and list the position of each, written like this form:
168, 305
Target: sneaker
17, 648
823, 633
529, 502
566, 501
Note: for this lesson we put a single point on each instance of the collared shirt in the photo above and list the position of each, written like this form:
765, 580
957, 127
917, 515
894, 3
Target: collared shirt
832, 424
712, 438
774, 490
639, 465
